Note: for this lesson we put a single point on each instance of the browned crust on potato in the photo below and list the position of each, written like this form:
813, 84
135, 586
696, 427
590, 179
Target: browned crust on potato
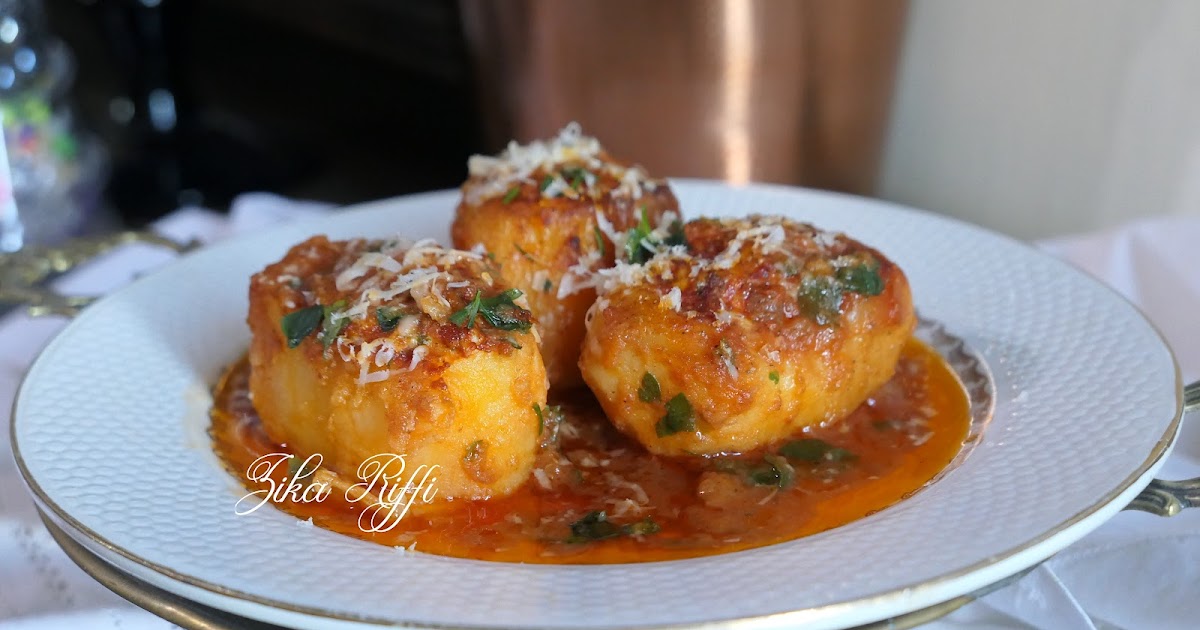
536, 240
724, 324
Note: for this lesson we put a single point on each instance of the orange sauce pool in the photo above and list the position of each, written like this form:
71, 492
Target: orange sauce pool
657, 508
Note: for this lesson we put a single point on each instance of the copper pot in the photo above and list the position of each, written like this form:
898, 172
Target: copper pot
781, 91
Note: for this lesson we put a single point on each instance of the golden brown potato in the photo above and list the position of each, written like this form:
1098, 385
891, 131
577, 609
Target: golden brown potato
549, 213
756, 328
406, 349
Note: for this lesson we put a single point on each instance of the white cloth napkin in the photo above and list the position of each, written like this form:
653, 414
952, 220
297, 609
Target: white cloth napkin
1136, 571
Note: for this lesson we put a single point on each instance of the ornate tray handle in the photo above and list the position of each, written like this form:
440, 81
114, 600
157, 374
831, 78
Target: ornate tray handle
1168, 498
24, 274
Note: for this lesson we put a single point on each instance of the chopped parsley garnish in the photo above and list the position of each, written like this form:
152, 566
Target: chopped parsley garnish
510, 341
774, 376
862, 278
596, 526
465, 317
498, 310
675, 235
388, 317
815, 451
299, 324
511, 194
474, 452
599, 239
547, 285
649, 391
680, 417
330, 330
575, 175
635, 252
774, 471
643, 527
546, 181
524, 253
294, 464
820, 298
549, 418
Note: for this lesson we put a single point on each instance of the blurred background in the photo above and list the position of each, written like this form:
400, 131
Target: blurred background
1034, 118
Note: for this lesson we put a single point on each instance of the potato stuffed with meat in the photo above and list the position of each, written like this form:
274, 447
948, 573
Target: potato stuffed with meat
752, 330
364, 348
549, 213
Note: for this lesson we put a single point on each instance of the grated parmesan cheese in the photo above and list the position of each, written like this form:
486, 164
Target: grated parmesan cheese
494, 176
418, 354
673, 299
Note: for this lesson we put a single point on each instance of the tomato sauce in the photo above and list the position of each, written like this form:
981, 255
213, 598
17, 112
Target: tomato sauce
597, 496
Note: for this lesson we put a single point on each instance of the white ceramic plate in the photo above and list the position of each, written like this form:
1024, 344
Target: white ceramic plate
109, 429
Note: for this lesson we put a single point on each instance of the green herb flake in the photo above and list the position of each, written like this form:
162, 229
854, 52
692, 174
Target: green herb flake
635, 252
546, 181
806, 450
680, 417
862, 278
465, 317
820, 298
644, 527
294, 464
549, 418
649, 391
388, 317
300, 324
331, 329
596, 526
576, 175
475, 452
546, 286
501, 313
524, 254
839, 454
498, 310
774, 376
511, 194
774, 471
599, 239
675, 234
815, 451
510, 341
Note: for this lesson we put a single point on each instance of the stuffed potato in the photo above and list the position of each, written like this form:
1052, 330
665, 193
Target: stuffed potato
752, 330
364, 348
550, 212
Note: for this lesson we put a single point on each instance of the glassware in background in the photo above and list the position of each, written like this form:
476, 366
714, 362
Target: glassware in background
790, 92
54, 172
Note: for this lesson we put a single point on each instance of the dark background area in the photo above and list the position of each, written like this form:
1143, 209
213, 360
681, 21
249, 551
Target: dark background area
339, 101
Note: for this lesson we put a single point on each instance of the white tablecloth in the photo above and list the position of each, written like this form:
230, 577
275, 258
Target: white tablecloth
1136, 571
